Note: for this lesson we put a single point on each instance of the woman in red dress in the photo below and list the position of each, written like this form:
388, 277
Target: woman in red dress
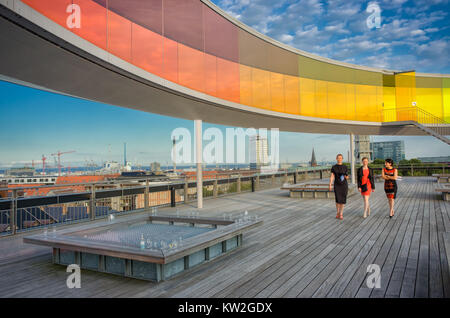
366, 184
390, 175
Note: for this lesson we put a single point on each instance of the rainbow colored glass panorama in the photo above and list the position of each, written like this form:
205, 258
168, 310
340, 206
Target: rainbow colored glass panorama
190, 44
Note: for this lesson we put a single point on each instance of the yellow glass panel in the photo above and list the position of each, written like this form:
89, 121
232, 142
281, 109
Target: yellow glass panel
362, 102
307, 97
321, 99
350, 98
446, 98
291, 94
261, 88
429, 95
245, 74
277, 91
379, 107
405, 95
337, 100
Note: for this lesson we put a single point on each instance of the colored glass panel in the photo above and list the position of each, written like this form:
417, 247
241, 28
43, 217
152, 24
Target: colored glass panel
307, 97
191, 66
53, 9
228, 86
183, 22
253, 51
291, 94
147, 50
277, 92
446, 98
261, 88
93, 22
170, 60
210, 75
146, 13
337, 100
245, 81
282, 61
321, 99
119, 36
350, 94
429, 95
221, 36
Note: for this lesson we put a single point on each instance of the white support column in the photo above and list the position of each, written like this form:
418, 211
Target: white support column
352, 158
198, 156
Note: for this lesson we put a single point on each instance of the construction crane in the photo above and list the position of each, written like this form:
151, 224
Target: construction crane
59, 153
43, 164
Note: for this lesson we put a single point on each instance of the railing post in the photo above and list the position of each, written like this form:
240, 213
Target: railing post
146, 194
295, 176
257, 183
172, 196
13, 214
285, 177
92, 203
238, 184
253, 184
215, 188
412, 170
186, 190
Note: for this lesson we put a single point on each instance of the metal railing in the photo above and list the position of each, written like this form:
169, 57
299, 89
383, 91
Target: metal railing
418, 115
20, 213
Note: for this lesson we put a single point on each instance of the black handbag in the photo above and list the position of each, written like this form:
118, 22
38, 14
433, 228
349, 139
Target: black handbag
364, 187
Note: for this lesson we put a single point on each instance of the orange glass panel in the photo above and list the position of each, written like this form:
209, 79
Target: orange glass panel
147, 49
191, 68
210, 75
350, 101
170, 60
307, 97
405, 95
228, 86
291, 94
93, 22
321, 99
245, 81
119, 36
277, 91
261, 88
53, 9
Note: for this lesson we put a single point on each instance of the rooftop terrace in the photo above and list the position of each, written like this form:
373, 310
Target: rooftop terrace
301, 250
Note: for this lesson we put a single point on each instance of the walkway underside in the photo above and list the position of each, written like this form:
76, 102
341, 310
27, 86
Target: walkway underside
38, 59
301, 250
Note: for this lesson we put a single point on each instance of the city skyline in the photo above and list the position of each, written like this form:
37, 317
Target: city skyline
32, 124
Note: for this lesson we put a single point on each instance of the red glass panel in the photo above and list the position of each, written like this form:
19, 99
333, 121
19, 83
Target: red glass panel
210, 75
191, 66
53, 9
170, 60
228, 85
93, 22
119, 36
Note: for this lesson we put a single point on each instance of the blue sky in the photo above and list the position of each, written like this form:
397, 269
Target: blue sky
413, 35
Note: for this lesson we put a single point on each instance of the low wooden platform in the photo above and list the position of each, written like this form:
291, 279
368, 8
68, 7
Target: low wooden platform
442, 178
444, 189
313, 190
301, 250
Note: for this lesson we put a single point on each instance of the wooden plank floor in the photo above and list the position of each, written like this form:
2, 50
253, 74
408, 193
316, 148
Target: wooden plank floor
301, 250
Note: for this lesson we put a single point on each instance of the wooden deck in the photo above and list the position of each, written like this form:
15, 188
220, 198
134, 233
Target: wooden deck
301, 250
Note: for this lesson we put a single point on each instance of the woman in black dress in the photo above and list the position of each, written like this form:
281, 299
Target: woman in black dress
338, 178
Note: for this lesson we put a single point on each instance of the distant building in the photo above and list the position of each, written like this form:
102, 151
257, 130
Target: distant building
389, 149
258, 155
20, 172
442, 159
155, 166
362, 147
313, 161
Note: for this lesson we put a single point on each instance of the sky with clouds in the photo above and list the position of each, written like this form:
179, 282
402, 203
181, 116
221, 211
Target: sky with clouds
414, 34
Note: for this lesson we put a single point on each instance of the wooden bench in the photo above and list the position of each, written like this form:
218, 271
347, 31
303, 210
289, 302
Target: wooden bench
314, 191
442, 178
446, 237
445, 190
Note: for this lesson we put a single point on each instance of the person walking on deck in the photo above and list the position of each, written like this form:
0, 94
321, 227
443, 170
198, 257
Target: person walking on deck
366, 184
338, 179
390, 174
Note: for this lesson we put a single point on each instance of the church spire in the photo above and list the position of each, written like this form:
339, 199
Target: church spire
313, 159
